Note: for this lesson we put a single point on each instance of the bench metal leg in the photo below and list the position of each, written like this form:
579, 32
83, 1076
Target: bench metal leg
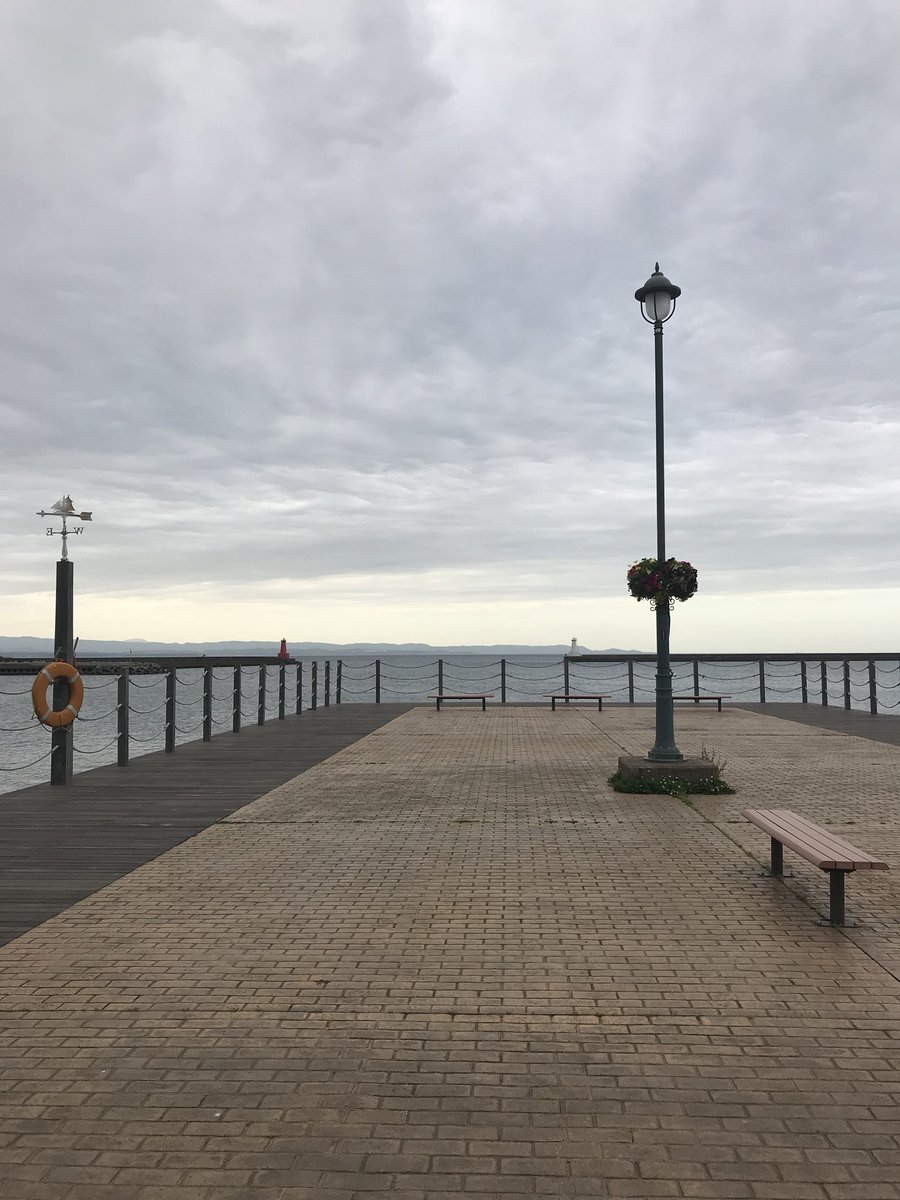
720, 706
553, 704
437, 705
483, 704
836, 897
600, 705
777, 858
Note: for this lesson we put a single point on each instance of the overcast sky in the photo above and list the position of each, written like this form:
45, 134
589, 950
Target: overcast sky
326, 310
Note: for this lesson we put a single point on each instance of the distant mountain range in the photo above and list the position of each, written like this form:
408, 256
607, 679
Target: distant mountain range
34, 647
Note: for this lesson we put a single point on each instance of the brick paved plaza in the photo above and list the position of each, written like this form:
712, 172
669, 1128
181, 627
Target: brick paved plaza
450, 961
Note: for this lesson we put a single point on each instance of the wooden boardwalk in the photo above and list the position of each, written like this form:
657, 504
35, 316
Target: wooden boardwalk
60, 844
879, 727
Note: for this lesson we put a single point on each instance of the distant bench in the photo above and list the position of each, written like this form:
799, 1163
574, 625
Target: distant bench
572, 698
818, 846
696, 698
442, 696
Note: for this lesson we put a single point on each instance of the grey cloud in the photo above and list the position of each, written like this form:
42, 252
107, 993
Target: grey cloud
362, 275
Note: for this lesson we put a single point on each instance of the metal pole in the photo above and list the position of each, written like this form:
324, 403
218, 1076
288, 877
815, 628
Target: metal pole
824, 672
339, 682
207, 703
566, 677
440, 686
631, 681
873, 690
237, 687
377, 680
664, 749
299, 688
804, 687
314, 687
502, 680
261, 704
696, 677
327, 682
122, 714
762, 681
61, 739
171, 686
281, 690
846, 684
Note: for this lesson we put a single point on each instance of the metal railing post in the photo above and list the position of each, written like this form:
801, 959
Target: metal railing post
237, 687
123, 714
696, 676
440, 686
282, 684
171, 687
824, 671
339, 681
804, 687
314, 687
566, 676
631, 681
873, 691
846, 684
299, 688
261, 702
327, 682
62, 743
762, 681
207, 703
377, 680
502, 680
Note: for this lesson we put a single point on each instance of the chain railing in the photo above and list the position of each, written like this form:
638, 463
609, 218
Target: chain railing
197, 702
863, 682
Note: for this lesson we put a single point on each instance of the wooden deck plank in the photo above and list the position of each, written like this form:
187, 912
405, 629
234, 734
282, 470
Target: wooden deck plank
60, 844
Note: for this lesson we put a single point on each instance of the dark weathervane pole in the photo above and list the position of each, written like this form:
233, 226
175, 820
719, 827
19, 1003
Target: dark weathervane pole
61, 739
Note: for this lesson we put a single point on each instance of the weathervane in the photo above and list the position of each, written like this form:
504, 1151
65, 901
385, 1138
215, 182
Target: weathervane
66, 510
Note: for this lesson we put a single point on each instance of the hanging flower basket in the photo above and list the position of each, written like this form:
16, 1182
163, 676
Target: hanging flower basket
661, 583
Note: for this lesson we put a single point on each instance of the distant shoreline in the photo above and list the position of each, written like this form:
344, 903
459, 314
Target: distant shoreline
32, 647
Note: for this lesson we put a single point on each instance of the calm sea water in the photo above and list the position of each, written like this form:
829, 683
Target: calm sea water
25, 744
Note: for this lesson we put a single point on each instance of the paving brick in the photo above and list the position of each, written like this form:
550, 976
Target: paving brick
450, 960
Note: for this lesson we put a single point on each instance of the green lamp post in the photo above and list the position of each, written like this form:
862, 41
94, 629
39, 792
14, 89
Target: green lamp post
657, 300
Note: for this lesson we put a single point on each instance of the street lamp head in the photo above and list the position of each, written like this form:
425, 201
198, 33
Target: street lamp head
657, 298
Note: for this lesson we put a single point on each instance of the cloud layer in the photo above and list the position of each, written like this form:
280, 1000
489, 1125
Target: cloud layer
334, 302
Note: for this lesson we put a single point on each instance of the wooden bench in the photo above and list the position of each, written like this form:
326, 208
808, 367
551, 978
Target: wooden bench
442, 696
818, 846
571, 698
696, 697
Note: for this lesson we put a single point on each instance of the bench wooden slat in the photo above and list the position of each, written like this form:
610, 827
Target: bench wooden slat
440, 697
696, 697
818, 846
570, 697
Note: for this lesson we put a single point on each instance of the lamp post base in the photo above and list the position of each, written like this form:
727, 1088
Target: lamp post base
688, 770
666, 755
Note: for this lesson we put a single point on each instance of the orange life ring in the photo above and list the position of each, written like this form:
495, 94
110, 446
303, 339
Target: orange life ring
43, 708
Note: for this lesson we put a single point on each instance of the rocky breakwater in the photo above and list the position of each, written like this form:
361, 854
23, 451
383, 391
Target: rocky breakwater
105, 666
